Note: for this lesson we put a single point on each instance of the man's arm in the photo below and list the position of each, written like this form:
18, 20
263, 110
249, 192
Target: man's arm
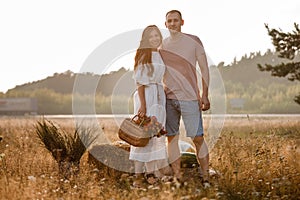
202, 61
203, 64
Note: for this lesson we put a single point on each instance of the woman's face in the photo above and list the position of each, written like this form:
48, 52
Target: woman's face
154, 39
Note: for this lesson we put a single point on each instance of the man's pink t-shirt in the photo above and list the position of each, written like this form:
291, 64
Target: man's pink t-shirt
180, 55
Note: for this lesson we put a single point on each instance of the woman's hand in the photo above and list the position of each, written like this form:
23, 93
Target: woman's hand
142, 111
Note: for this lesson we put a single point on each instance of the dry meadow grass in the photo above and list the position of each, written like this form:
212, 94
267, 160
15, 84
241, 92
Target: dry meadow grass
255, 158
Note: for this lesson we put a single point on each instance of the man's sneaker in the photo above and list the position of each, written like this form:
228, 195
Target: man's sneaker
206, 184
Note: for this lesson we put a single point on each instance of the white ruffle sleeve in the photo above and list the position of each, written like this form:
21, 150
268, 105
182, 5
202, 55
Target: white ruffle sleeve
141, 75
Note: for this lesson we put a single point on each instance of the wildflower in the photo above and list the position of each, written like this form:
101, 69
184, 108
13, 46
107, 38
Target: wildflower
2, 155
31, 178
151, 126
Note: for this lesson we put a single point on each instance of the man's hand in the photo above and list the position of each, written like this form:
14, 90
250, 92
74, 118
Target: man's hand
204, 103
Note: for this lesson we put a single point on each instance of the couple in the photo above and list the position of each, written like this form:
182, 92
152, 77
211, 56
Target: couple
167, 87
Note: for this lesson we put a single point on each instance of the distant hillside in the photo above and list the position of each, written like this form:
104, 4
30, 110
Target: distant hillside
244, 71
258, 91
63, 82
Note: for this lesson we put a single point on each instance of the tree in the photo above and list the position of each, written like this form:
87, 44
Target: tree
287, 45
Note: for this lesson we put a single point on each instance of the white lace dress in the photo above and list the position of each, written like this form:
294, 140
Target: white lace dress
155, 105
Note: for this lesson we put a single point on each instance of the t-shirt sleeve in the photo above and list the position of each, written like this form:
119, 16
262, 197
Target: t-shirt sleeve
141, 75
199, 47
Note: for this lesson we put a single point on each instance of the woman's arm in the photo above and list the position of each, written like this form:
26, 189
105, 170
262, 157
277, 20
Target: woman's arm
141, 92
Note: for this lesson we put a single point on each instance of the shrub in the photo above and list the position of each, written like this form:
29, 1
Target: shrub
66, 149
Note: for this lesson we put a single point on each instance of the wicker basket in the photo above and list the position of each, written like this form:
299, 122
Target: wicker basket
133, 133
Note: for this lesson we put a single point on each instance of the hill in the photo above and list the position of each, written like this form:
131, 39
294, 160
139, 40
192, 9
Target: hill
255, 91
63, 83
243, 72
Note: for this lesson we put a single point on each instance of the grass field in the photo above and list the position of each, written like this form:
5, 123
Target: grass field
255, 158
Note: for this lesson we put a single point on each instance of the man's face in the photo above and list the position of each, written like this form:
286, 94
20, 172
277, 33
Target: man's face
174, 22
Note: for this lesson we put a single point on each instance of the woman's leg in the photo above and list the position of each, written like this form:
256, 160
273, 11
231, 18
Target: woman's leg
139, 167
139, 170
164, 169
150, 167
150, 172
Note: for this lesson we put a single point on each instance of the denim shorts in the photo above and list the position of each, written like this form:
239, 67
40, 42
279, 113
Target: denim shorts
191, 117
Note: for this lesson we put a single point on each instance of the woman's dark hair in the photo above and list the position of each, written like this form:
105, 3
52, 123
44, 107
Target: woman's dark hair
144, 52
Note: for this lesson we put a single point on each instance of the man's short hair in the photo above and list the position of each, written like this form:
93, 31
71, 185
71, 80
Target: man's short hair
174, 11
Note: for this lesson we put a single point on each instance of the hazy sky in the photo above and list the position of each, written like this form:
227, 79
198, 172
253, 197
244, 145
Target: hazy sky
39, 38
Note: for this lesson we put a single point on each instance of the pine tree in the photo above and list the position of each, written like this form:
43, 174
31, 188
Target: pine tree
287, 45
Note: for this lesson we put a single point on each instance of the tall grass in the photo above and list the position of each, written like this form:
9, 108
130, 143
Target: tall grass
66, 148
254, 159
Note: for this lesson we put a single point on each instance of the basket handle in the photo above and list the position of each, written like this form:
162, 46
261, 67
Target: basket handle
143, 119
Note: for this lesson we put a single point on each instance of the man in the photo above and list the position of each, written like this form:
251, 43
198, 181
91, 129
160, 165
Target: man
180, 53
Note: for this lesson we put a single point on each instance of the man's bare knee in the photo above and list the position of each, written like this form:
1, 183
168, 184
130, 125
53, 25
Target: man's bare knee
198, 141
201, 147
173, 148
173, 138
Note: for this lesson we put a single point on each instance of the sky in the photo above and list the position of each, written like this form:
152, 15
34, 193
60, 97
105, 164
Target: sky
39, 38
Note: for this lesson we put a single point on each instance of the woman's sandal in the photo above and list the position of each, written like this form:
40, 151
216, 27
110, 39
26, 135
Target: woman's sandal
151, 179
138, 181
137, 184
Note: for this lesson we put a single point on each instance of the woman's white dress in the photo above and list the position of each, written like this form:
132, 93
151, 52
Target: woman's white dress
155, 105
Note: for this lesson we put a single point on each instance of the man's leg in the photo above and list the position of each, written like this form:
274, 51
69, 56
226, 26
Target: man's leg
172, 126
192, 118
202, 155
174, 155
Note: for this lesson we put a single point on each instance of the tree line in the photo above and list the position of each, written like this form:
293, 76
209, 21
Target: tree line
260, 92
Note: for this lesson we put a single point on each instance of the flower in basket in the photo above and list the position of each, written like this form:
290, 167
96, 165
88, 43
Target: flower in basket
153, 127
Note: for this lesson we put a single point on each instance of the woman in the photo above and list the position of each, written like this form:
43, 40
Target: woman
149, 100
